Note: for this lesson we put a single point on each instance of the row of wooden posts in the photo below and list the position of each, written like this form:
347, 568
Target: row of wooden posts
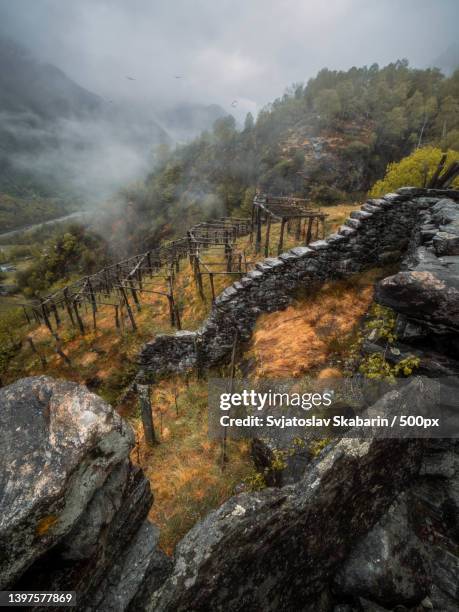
122, 284
128, 279
300, 218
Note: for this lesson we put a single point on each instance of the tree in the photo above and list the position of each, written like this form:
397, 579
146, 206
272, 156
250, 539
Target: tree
414, 170
328, 105
249, 122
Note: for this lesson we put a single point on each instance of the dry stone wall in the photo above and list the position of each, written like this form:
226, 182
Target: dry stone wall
377, 234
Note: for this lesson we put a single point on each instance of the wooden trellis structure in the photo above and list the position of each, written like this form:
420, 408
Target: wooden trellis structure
122, 284
206, 236
296, 214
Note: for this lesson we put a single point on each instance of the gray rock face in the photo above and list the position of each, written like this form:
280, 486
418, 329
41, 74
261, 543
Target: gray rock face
445, 214
429, 292
426, 293
390, 565
71, 501
278, 549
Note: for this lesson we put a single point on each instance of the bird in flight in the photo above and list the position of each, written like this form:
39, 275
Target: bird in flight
130, 78
179, 77
234, 103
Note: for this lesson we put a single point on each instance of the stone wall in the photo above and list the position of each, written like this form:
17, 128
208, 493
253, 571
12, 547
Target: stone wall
377, 234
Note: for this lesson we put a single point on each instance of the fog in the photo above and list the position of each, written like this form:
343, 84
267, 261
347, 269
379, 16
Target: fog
226, 50
143, 58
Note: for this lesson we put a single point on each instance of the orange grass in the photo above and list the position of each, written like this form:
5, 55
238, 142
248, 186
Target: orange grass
313, 330
185, 468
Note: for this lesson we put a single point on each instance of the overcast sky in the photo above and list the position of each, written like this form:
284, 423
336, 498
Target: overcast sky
224, 50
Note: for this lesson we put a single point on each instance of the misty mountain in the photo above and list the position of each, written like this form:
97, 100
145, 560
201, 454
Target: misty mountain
186, 121
27, 85
58, 138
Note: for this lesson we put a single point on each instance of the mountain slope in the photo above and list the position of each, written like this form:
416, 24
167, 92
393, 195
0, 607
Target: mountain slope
328, 141
61, 141
27, 85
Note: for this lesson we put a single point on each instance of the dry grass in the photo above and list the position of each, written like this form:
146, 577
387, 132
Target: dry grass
311, 332
185, 468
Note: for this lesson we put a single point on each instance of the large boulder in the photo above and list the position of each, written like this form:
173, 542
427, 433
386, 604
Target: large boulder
71, 501
429, 293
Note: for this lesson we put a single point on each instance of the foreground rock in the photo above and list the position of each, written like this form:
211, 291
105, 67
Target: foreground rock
425, 295
72, 504
279, 549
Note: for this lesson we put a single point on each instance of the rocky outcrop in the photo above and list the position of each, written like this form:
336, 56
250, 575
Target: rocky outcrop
425, 295
72, 506
390, 565
279, 549
371, 525
410, 558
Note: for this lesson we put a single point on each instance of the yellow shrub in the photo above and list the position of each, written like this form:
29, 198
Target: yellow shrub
415, 170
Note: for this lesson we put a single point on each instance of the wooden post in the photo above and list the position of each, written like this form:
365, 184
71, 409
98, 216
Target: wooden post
172, 308
128, 306
93, 304
298, 229
258, 235
134, 294
211, 277
143, 392
94, 311
309, 232
121, 307
199, 280
229, 261
199, 358
56, 314
36, 316
92, 295
139, 278
61, 353
67, 306
177, 317
268, 230
230, 390
46, 318
281, 237
117, 318
78, 318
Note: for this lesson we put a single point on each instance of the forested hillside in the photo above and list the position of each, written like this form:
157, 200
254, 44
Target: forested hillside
328, 140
